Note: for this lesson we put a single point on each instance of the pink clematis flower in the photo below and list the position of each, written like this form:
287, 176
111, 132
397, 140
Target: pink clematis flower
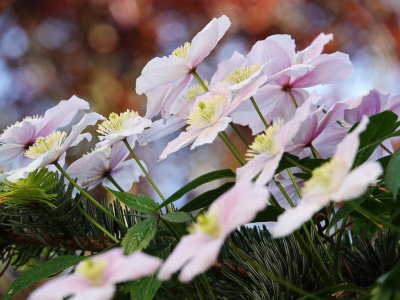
96, 277
334, 181
95, 167
164, 78
16, 139
291, 71
208, 115
48, 150
268, 148
196, 252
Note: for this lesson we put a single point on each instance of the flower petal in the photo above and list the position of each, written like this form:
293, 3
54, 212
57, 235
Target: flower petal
97, 292
207, 135
160, 129
184, 139
315, 48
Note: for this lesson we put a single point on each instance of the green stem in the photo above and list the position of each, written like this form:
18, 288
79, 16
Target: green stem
207, 286
236, 148
314, 151
109, 177
239, 134
83, 192
199, 290
134, 156
259, 112
231, 150
289, 91
199, 80
295, 163
337, 246
93, 221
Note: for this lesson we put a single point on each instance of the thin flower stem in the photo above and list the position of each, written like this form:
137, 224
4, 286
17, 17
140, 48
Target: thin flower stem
231, 150
239, 134
288, 159
385, 148
134, 156
318, 255
229, 140
289, 91
337, 246
83, 192
109, 177
259, 112
199, 80
93, 221
294, 183
199, 290
207, 286
314, 151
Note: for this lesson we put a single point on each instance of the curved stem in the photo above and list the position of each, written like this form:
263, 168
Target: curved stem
289, 91
239, 134
199, 80
259, 112
109, 177
83, 192
314, 151
231, 150
229, 140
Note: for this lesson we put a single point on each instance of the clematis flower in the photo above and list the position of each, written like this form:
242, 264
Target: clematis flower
160, 129
96, 277
288, 74
196, 252
126, 125
48, 150
164, 78
95, 167
267, 149
209, 115
334, 181
16, 139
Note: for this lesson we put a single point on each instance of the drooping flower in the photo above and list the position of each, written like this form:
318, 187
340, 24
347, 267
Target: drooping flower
17, 138
126, 125
48, 150
288, 74
196, 252
96, 277
209, 115
164, 78
95, 168
267, 149
333, 181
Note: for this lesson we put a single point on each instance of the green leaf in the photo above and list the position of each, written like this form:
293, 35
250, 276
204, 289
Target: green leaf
309, 163
47, 269
140, 203
144, 288
343, 212
387, 286
206, 198
392, 177
177, 217
269, 214
214, 175
139, 235
380, 127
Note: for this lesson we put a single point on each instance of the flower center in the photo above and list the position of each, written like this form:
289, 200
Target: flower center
267, 141
43, 145
182, 51
239, 75
195, 90
206, 223
207, 113
116, 122
92, 270
327, 176
32, 117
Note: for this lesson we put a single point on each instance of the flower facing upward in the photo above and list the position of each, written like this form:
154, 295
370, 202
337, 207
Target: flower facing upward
126, 125
96, 277
334, 181
207, 113
196, 252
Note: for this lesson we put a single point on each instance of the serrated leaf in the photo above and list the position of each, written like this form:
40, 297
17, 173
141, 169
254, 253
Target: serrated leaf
139, 235
137, 202
177, 217
380, 127
206, 198
211, 176
45, 270
144, 288
392, 177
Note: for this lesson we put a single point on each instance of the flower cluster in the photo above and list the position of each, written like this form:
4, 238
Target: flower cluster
266, 90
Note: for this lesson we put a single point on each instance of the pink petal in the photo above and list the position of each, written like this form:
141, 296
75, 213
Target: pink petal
356, 182
252, 167
368, 105
206, 40
208, 135
118, 154
99, 293
160, 129
125, 174
184, 139
225, 68
269, 168
315, 48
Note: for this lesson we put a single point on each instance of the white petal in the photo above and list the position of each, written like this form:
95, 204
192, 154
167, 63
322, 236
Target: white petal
208, 135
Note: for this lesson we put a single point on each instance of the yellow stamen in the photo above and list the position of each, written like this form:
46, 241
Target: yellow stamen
42, 145
92, 270
195, 90
182, 51
206, 223
116, 122
327, 176
267, 141
32, 117
207, 113
239, 75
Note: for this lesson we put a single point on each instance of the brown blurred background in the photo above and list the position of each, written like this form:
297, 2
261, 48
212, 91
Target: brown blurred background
50, 50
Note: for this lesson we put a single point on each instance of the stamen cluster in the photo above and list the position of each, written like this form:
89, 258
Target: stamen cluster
116, 122
43, 145
240, 75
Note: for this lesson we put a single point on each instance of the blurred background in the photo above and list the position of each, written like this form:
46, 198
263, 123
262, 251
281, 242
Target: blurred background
51, 50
